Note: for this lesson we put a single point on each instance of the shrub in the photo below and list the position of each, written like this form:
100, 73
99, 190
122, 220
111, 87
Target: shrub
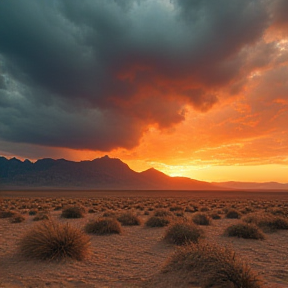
233, 214
7, 214
54, 241
246, 210
41, 216
201, 219
279, 223
162, 213
204, 209
156, 221
57, 208
109, 214
91, 210
73, 212
176, 208
266, 221
244, 230
276, 211
215, 216
189, 210
182, 233
179, 214
103, 225
129, 219
17, 218
214, 266
32, 212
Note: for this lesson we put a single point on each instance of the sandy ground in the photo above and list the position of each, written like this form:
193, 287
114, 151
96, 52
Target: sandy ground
128, 259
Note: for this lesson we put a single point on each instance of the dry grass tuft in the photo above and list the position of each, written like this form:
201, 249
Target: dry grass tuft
73, 212
103, 225
33, 212
53, 241
162, 213
201, 219
17, 218
267, 222
233, 214
214, 266
155, 221
244, 230
109, 214
129, 219
7, 214
91, 210
41, 216
215, 216
182, 233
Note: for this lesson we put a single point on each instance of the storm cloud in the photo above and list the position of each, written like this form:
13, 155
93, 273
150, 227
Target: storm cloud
95, 74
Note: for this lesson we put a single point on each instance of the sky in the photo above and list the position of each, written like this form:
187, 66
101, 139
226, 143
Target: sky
194, 88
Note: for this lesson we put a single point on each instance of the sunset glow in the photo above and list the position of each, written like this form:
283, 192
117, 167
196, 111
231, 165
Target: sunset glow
191, 88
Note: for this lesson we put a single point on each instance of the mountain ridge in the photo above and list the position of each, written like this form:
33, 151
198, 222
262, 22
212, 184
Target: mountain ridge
100, 173
106, 173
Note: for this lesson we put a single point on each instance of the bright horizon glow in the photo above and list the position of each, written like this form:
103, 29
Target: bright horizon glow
261, 173
209, 173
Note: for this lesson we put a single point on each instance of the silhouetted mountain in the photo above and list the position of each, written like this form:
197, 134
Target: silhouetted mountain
101, 173
105, 173
166, 182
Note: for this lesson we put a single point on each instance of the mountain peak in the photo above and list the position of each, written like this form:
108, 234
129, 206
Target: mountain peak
14, 159
104, 173
153, 174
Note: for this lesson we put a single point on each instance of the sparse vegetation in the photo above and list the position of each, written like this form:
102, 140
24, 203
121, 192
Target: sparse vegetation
215, 216
214, 266
181, 233
17, 218
73, 212
54, 241
7, 214
41, 216
103, 225
204, 209
128, 219
32, 212
155, 221
175, 208
268, 215
244, 230
91, 210
201, 219
109, 214
233, 214
268, 222
162, 213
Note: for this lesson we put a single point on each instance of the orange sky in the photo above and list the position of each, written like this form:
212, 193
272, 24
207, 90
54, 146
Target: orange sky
243, 138
206, 99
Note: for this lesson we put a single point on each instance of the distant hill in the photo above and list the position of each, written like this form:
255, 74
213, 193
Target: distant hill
101, 173
164, 181
105, 173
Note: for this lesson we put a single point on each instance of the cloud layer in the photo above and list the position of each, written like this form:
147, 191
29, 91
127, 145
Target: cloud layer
96, 74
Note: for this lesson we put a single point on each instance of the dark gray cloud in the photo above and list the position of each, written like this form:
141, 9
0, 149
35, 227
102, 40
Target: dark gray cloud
280, 12
94, 74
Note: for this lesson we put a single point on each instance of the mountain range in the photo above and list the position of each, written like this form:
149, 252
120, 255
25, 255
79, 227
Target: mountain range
103, 173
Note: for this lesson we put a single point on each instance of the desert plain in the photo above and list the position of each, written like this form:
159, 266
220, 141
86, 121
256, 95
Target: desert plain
138, 256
